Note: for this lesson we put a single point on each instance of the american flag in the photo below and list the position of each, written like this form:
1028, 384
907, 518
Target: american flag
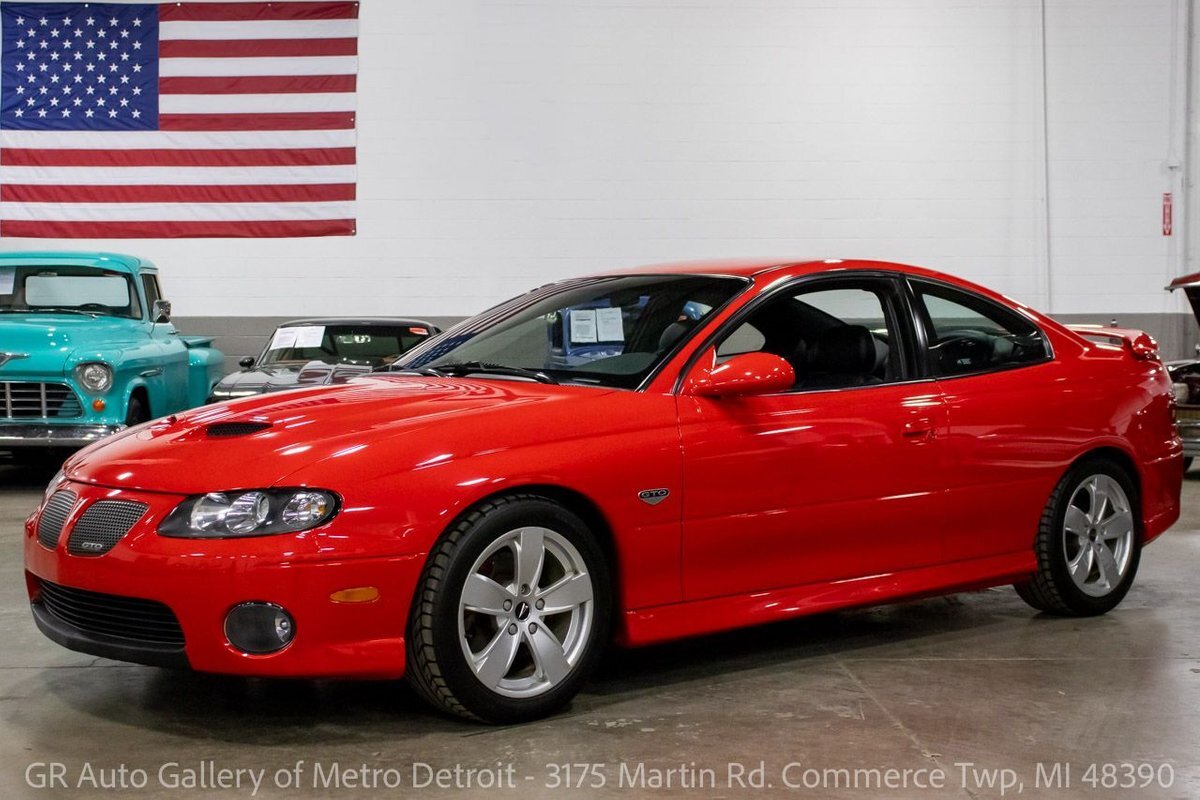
177, 119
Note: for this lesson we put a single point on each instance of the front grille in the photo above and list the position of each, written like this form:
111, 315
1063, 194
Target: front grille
109, 615
103, 525
29, 400
223, 429
54, 516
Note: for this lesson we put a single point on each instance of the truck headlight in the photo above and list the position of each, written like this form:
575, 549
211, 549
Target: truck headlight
261, 512
94, 376
1180, 390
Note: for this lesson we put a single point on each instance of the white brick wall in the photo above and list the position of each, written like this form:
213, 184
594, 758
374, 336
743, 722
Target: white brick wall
1110, 130
503, 143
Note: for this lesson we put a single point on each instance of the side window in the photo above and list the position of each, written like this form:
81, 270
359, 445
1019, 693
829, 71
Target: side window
150, 283
969, 333
836, 335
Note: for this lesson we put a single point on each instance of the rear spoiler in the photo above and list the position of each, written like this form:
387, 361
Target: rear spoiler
1138, 344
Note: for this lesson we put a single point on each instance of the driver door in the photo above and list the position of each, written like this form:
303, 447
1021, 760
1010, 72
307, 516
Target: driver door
172, 361
836, 479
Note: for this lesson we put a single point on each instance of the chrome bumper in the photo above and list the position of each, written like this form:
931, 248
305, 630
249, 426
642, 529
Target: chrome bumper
53, 435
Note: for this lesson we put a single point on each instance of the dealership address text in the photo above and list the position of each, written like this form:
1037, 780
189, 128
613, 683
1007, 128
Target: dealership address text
1118, 777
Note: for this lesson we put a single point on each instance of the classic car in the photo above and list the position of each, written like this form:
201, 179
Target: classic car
487, 520
87, 348
1186, 375
315, 352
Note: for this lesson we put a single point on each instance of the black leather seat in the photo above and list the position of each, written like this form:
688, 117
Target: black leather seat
845, 356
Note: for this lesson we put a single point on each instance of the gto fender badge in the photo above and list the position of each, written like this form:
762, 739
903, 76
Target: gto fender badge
653, 496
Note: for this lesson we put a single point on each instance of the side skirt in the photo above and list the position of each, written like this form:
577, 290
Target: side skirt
696, 617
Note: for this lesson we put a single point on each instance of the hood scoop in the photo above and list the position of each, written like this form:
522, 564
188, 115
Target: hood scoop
226, 430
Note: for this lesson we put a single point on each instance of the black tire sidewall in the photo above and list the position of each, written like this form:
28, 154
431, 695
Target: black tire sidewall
1072, 595
459, 677
136, 412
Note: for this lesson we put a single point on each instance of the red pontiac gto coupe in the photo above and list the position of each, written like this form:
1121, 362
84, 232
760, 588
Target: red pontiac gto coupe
630, 457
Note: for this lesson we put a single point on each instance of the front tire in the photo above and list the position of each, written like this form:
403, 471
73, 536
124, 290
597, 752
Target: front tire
137, 412
512, 612
1088, 544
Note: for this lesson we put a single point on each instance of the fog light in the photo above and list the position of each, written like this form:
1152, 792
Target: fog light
259, 628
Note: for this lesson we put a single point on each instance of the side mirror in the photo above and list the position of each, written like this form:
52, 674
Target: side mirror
247, 362
746, 374
162, 311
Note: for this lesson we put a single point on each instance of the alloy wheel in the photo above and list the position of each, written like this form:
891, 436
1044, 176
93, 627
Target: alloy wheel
526, 612
1099, 526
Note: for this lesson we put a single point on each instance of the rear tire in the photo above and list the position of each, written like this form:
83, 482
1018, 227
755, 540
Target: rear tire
512, 612
1088, 544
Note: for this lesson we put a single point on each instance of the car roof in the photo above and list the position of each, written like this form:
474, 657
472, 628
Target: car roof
398, 322
77, 258
752, 267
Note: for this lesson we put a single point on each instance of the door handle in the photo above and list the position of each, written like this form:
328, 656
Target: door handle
919, 429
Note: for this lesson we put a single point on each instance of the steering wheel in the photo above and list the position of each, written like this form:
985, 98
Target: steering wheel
963, 350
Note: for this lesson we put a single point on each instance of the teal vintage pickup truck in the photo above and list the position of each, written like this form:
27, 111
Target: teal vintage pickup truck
87, 348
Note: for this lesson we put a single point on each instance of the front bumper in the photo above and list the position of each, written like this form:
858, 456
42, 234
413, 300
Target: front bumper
201, 580
34, 435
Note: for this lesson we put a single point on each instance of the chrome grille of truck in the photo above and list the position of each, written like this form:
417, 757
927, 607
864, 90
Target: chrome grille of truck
31, 400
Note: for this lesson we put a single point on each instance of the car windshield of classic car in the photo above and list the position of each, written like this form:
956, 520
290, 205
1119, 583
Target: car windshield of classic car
601, 331
371, 346
67, 289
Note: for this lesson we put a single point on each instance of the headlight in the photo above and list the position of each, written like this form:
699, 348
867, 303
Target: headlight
1180, 390
229, 515
94, 376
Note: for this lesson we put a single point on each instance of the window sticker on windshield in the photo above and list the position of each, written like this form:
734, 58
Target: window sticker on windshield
610, 325
8, 279
583, 325
310, 336
284, 339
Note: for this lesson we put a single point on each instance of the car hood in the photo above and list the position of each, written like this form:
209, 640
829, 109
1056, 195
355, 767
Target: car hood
50, 339
277, 379
417, 420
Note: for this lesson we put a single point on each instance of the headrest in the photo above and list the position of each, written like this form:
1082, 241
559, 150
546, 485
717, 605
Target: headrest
673, 333
846, 350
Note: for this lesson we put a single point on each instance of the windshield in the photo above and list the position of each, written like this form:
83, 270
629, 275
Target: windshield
603, 331
366, 345
67, 290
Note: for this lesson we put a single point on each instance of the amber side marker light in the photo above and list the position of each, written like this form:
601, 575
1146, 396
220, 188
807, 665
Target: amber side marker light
98, 405
359, 594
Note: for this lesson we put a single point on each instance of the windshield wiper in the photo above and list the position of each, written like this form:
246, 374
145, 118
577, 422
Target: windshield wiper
483, 367
426, 371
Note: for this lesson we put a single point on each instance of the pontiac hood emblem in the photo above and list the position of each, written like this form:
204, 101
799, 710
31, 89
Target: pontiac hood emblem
7, 357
